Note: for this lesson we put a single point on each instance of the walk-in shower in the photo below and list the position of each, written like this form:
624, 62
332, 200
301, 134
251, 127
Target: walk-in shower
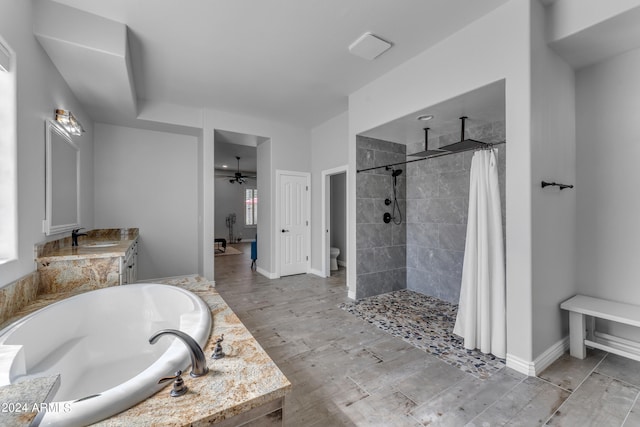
396, 214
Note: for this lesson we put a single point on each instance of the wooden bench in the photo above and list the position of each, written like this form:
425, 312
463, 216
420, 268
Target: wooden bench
581, 336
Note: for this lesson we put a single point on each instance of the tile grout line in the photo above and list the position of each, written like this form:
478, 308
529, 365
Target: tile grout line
630, 409
498, 400
576, 389
555, 385
441, 392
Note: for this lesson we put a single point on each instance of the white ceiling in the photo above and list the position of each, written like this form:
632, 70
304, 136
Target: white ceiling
483, 105
228, 145
283, 60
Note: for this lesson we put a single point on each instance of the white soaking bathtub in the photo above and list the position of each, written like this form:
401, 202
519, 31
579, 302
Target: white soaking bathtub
99, 344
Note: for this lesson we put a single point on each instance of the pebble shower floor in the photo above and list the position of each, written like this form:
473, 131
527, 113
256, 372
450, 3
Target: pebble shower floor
426, 323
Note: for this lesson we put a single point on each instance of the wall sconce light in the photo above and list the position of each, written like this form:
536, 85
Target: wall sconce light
69, 122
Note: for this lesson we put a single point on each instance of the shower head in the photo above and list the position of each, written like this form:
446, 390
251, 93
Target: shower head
394, 172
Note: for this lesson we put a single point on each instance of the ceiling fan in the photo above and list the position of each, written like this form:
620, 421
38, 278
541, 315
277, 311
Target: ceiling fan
238, 176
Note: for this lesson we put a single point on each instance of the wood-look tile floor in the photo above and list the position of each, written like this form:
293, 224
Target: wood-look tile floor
346, 372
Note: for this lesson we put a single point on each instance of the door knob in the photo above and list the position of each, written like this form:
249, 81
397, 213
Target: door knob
285, 231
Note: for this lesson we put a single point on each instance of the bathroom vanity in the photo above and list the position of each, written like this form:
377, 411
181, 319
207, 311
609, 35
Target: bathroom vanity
243, 388
103, 258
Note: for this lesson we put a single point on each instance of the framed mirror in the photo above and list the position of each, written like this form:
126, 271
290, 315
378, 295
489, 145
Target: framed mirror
62, 169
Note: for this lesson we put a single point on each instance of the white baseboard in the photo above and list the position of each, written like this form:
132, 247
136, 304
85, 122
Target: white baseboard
342, 263
520, 365
550, 355
266, 274
317, 272
541, 362
351, 293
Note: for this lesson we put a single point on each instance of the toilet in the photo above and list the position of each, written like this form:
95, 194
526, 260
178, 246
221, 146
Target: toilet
333, 254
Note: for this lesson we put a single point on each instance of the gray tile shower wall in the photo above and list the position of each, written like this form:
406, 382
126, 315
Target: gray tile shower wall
437, 204
381, 256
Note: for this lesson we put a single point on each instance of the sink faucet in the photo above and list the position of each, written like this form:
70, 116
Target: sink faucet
74, 236
198, 360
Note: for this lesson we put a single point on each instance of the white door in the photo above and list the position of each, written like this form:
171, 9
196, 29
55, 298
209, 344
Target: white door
294, 223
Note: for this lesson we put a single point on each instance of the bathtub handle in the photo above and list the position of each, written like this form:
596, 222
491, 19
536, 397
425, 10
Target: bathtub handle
198, 360
178, 385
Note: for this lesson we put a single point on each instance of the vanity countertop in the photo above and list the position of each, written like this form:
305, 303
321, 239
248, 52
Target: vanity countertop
245, 379
102, 243
87, 250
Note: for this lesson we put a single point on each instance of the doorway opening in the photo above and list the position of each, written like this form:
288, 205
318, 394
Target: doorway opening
334, 220
236, 209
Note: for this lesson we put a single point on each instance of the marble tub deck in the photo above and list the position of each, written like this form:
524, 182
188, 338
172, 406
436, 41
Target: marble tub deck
245, 379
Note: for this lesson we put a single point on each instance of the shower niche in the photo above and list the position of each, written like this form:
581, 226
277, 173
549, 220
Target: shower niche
424, 251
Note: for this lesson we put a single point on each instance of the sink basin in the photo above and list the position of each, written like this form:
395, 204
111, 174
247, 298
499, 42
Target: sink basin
100, 245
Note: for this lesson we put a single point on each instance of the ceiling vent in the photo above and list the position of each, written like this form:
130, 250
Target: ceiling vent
369, 46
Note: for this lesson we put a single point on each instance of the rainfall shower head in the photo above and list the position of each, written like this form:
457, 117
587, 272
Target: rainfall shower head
426, 152
464, 144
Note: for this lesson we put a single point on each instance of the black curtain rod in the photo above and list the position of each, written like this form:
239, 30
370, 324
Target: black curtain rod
448, 153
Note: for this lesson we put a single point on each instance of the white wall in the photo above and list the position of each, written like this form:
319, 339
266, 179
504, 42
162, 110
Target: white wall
230, 199
329, 149
586, 32
266, 201
569, 17
339, 214
40, 90
148, 179
492, 48
608, 153
553, 159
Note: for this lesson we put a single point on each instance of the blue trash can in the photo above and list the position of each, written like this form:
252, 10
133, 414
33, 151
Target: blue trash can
254, 254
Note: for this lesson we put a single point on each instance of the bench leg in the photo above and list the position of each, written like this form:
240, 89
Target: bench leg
576, 335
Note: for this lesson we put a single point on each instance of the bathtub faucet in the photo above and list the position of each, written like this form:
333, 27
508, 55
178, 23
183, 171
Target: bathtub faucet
198, 360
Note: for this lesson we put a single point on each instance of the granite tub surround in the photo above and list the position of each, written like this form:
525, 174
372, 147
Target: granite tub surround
381, 247
242, 387
25, 401
437, 211
79, 274
18, 294
90, 265
246, 380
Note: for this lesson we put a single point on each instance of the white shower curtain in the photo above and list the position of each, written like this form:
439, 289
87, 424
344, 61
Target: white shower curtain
481, 312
